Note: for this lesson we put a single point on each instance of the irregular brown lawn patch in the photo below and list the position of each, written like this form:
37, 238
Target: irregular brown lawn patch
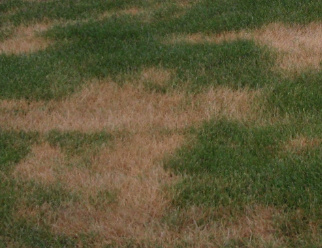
183, 7
147, 13
199, 228
130, 11
122, 191
40, 164
302, 143
25, 39
105, 105
132, 169
256, 223
156, 76
196, 38
133, 172
299, 46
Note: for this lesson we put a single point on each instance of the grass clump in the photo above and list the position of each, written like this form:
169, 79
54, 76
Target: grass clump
76, 142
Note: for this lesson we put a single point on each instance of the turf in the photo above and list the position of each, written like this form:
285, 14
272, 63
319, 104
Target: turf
223, 181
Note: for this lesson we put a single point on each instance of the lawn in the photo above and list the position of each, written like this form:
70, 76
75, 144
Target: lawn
160, 123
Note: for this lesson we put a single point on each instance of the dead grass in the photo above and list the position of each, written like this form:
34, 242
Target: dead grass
132, 169
255, 224
105, 105
156, 76
299, 47
25, 39
196, 38
302, 143
146, 14
183, 7
131, 172
40, 165
134, 11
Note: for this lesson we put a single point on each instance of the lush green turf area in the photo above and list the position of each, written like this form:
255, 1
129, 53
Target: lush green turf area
123, 44
235, 165
217, 16
273, 161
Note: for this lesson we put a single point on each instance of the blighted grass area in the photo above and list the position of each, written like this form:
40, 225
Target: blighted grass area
25, 40
160, 123
298, 47
105, 105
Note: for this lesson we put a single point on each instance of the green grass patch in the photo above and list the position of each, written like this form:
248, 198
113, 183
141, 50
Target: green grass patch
77, 143
298, 96
218, 16
235, 165
80, 147
232, 166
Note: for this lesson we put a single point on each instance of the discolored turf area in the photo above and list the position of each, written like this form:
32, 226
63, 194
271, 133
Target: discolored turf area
160, 123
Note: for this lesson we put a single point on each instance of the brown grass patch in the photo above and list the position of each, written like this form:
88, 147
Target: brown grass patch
256, 223
25, 40
130, 11
302, 143
40, 164
299, 46
197, 38
198, 228
155, 77
132, 169
122, 191
147, 14
105, 105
